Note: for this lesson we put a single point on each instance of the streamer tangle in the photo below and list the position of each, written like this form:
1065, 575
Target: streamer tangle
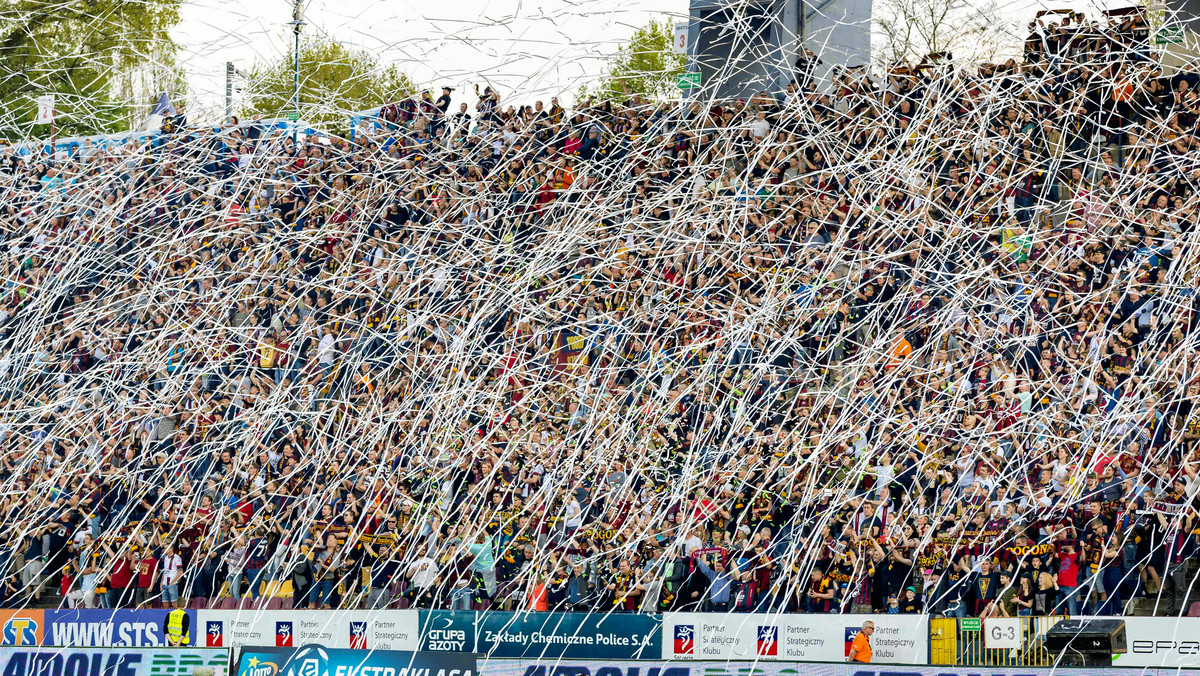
803, 354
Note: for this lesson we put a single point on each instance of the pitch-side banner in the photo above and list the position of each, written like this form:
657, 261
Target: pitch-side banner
315, 660
601, 668
110, 661
616, 636
98, 628
898, 639
379, 629
1159, 641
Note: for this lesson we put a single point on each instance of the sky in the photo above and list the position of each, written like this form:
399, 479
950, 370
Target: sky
543, 47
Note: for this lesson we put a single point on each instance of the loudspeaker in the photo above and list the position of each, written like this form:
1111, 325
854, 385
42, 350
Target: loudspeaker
1088, 637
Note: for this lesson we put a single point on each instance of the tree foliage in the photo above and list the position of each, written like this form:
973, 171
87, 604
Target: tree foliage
334, 81
79, 51
646, 66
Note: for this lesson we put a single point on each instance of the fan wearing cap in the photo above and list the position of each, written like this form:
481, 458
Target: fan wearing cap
911, 603
443, 101
439, 111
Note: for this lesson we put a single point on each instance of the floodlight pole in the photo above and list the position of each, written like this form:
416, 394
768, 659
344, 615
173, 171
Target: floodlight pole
228, 91
231, 72
296, 24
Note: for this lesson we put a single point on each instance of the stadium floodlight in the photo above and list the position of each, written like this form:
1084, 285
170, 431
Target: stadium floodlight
230, 72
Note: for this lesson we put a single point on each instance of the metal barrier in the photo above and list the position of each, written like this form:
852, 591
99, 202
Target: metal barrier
955, 641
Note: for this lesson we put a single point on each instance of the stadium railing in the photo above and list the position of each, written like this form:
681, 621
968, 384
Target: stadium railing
72, 145
961, 642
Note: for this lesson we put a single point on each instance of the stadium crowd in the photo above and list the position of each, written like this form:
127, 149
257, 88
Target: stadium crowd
920, 343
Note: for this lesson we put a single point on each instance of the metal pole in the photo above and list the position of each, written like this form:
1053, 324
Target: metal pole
228, 91
803, 26
296, 24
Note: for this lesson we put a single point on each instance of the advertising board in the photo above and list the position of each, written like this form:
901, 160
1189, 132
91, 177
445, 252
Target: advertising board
22, 627
315, 660
1159, 641
110, 661
97, 628
603, 668
617, 636
378, 629
898, 639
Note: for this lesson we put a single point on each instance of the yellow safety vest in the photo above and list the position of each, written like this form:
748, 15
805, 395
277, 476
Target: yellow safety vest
175, 633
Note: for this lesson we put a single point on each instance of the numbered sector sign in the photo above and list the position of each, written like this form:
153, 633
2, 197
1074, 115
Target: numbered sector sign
1002, 633
679, 43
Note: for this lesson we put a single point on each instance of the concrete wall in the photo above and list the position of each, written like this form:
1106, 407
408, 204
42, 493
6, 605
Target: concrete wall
748, 47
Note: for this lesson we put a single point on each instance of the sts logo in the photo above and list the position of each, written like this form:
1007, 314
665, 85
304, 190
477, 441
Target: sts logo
283, 634
20, 631
358, 634
214, 634
768, 641
685, 637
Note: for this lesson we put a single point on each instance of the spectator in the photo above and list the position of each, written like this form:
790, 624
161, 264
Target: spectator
422, 576
147, 575
326, 566
172, 572
384, 569
84, 594
121, 567
235, 563
831, 333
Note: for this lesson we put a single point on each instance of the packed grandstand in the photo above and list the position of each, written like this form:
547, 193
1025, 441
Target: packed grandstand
915, 343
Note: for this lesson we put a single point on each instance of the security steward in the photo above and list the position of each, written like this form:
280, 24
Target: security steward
860, 649
177, 628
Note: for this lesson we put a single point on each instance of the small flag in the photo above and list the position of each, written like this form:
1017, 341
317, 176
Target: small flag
684, 639
283, 634
164, 106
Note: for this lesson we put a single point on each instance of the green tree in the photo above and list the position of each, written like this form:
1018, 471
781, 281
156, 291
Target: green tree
646, 66
80, 52
334, 81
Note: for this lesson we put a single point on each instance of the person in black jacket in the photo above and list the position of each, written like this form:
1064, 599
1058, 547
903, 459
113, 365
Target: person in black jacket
675, 572
173, 124
984, 586
185, 626
694, 590
745, 593
384, 569
302, 579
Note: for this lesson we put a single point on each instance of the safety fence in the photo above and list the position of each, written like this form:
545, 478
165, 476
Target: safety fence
75, 146
916, 640
1010, 642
